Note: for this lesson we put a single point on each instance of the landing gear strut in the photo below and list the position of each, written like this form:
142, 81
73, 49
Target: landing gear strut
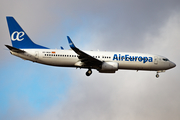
89, 72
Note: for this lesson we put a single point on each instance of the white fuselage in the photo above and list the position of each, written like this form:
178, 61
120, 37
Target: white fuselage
68, 58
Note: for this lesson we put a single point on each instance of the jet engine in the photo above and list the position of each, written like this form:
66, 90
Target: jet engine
109, 67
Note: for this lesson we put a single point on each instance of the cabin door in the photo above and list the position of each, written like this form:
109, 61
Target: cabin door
36, 54
155, 60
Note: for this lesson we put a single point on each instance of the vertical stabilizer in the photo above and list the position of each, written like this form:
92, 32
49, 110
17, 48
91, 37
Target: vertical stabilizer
18, 36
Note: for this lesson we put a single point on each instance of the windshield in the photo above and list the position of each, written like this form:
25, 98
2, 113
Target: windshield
165, 59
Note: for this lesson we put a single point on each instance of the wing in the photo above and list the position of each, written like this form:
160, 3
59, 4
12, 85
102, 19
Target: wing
85, 58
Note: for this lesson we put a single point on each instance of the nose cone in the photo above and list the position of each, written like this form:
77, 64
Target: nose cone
172, 65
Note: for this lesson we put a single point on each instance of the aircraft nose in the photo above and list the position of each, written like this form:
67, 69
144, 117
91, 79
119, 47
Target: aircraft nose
172, 65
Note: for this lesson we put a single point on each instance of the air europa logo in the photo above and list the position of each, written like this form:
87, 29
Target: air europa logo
132, 58
17, 36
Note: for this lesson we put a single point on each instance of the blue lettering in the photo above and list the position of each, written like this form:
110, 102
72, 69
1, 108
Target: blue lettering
126, 57
122, 58
140, 59
145, 59
119, 57
136, 58
132, 58
115, 57
150, 59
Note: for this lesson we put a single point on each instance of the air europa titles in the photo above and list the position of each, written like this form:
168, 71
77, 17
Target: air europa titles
132, 58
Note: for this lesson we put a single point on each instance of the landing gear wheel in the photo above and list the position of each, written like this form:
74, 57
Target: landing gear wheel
157, 75
89, 72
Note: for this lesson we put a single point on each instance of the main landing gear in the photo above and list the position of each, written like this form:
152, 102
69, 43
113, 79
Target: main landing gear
89, 72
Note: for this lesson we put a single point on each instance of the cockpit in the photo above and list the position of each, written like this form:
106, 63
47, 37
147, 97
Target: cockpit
165, 59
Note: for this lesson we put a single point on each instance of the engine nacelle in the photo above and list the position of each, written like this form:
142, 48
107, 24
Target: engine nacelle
109, 67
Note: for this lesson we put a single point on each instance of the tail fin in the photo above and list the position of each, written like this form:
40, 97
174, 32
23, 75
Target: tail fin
18, 36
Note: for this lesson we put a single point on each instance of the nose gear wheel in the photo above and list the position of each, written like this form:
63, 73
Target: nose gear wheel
157, 75
89, 72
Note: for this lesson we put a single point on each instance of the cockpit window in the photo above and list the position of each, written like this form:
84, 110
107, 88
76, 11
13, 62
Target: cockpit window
165, 59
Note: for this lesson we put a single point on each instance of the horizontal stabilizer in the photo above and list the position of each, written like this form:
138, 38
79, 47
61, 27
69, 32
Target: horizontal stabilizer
14, 49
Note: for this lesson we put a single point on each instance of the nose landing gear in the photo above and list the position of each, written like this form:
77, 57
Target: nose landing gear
89, 72
157, 75
160, 71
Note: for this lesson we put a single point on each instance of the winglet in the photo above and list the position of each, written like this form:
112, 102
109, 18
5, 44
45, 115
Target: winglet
71, 44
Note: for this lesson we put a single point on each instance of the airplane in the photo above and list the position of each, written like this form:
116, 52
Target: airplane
102, 61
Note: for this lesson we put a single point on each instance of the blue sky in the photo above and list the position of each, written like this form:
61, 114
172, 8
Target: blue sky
33, 91
34, 83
